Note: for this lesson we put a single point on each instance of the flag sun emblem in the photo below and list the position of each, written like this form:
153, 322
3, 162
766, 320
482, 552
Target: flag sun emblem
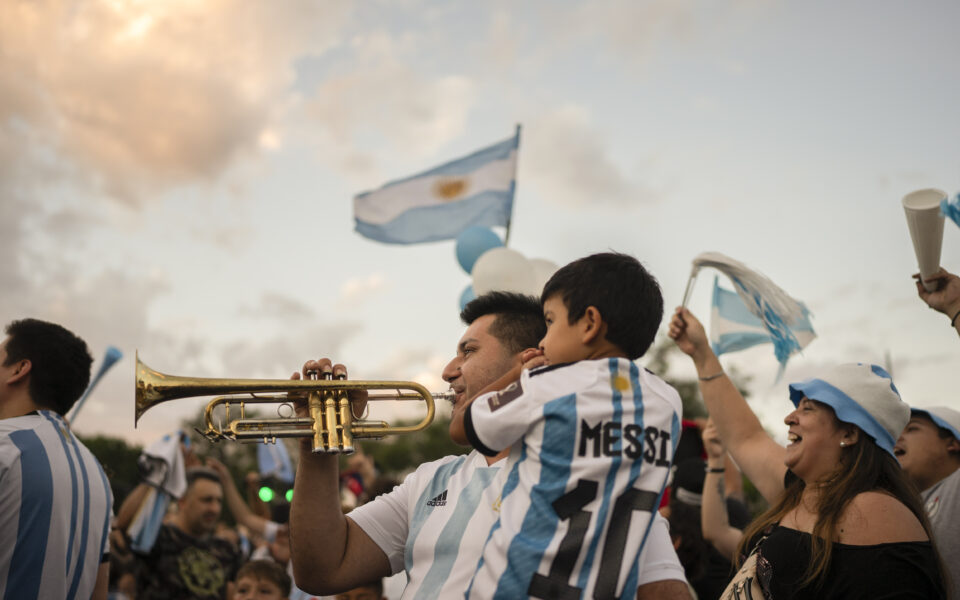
451, 188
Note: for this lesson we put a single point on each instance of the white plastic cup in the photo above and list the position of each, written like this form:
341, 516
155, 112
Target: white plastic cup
925, 222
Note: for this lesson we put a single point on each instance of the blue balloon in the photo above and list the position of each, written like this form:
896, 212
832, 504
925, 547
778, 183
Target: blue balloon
472, 243
466, 296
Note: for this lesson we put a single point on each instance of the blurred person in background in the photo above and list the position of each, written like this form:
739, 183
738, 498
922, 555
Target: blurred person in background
55, 501
929, 452
945, 298
187, 560
844, 522
262, 580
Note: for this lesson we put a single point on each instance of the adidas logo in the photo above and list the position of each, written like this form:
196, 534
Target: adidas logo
440, 500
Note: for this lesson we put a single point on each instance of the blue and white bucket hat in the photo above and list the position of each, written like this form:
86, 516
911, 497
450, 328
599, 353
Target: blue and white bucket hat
861, 394
943, 416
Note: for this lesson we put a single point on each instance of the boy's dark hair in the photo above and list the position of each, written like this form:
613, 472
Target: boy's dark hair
519, 318
268, 570
627, 296
59, 362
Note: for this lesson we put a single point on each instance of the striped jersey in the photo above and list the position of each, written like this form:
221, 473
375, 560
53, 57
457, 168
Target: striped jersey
597, 439
55, 510
433, 524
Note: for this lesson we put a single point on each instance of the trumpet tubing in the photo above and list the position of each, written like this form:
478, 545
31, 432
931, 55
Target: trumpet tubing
330, 423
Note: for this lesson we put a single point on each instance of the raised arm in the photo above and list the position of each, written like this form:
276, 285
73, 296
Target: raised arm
760, 458
946, 296
238, 507
330, 552
128, 510
713, 512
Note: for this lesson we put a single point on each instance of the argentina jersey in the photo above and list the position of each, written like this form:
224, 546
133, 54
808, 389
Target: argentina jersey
433, 525
596, 441
55, 510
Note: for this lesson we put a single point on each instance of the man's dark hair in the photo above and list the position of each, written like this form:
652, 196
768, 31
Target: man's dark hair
195, 473
627, 296
519, 318
59, 362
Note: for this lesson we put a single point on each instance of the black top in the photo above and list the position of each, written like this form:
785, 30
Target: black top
184, 567
893, 570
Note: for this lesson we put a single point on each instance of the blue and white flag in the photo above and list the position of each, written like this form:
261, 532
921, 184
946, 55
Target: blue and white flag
951, 209
734, 327
440, 203
145, 527
274, 461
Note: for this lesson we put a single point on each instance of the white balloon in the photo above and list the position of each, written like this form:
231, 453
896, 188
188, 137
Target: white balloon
542, 270
502, 269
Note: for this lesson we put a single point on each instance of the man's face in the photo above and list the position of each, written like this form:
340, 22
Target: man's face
481, 359
200, 507
921, 451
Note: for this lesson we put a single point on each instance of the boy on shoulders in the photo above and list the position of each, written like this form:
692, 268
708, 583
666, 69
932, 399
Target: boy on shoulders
598, 436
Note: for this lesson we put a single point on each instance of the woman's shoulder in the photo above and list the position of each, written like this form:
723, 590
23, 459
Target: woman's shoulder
878, 518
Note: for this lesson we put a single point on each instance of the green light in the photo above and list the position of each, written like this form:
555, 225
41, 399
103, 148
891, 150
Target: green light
289, 495
266, 494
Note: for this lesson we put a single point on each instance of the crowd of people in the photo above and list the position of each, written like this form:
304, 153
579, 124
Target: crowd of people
583, 479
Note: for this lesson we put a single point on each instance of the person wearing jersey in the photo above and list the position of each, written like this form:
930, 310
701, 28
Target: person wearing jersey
434, 524
592, 437
55, 501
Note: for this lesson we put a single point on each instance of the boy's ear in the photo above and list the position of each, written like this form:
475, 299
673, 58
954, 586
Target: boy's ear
21, 371
592, 325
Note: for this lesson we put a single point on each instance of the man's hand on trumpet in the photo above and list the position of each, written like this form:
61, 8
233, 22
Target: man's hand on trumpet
321, 368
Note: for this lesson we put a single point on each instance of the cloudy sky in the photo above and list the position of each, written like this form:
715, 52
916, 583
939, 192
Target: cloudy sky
176, 177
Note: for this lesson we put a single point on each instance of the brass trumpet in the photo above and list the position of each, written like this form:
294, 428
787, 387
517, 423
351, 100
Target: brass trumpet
331, 424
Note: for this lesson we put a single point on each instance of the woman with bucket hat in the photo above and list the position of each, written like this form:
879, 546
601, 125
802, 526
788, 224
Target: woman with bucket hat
843, 521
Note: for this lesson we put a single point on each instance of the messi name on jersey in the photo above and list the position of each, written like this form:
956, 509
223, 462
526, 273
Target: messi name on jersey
612, 438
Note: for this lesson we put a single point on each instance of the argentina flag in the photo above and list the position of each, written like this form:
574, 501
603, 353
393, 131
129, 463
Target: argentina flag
733, 327
440, 203
273, 460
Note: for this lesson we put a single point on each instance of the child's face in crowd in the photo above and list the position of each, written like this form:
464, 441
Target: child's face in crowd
360, 593
921, 451
563, 342
251, 588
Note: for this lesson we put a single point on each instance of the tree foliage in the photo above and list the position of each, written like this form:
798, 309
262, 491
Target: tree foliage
119, 461
400, 454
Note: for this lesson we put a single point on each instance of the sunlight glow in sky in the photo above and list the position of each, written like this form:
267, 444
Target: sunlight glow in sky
176, 177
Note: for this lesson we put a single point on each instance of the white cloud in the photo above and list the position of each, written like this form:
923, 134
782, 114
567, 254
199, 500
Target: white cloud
277, 306
570, 163
279, 355
378, 94
356, 290
139, 96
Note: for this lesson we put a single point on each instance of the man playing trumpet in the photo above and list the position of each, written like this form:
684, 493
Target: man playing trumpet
434, 524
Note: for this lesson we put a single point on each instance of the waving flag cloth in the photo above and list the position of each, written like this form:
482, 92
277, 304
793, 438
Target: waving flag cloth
951, 209
273, 460
785, 321
162, 467
733, 327
440, 203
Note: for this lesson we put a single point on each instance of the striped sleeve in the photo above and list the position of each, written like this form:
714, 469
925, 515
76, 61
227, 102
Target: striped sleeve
494, 421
